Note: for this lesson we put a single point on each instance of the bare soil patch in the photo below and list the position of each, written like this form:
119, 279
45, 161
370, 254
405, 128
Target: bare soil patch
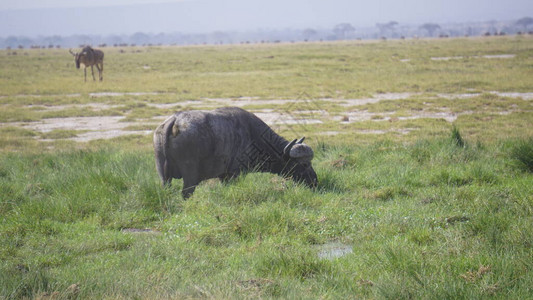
107, 127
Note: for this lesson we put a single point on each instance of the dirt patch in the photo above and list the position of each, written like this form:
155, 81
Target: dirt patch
446, 58
400, 131
91, 128
375, 99
78, 123
501, 56
91, 106
177, 105
498, 56
246, 101
280, 118
362, 115
107, 127
331, 132
114, 94
106, 134
524, 96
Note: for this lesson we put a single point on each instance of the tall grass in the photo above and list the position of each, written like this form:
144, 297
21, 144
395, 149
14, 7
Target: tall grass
522, 152
423, 219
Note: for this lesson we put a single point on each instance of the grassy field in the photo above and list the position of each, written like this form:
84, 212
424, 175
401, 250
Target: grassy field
423, 149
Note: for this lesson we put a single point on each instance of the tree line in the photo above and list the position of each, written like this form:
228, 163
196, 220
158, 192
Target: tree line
341, 31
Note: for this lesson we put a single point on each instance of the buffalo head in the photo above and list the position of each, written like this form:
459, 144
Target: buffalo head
297, 158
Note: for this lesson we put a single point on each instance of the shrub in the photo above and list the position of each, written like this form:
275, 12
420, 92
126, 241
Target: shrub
522, 153
457, 139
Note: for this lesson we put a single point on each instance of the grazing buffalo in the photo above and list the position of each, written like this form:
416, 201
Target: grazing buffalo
199, 145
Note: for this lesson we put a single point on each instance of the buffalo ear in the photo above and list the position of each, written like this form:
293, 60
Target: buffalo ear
300, 140
287, 150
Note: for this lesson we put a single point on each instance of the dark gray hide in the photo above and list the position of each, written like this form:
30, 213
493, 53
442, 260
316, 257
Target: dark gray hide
198, 145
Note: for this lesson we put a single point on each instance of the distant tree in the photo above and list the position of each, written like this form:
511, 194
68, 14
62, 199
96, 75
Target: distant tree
84, 40
12, 41
140, 38
384, 28
493, 26
430, 28
53, 40
343, 30
526, 21
309, 33
219, 37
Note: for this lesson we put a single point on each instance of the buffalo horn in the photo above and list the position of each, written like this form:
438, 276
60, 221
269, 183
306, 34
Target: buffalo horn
300, 140
287, 150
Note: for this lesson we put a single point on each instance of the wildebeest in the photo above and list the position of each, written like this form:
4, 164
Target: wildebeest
199, 145
90, 57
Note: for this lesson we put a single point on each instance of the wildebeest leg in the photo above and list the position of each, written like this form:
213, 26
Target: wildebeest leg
101, 70
92, 72
85, 74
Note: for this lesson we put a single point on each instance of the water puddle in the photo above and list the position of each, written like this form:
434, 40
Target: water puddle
115, 94
498, 56
333, 250
375, 99
504, 56
446, 58
140, 231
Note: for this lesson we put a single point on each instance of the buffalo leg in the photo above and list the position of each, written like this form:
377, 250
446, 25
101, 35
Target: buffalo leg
189, 185
186, 192
167, 177
227, 177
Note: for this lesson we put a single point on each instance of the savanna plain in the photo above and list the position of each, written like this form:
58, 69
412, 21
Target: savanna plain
423, 150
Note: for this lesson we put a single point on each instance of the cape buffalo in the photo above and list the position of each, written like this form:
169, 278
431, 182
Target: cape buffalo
198, 145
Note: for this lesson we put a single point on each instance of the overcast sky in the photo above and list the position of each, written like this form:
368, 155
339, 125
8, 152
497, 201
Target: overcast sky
66, 17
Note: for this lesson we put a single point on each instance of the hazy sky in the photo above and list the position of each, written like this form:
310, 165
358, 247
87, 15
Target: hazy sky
65, 17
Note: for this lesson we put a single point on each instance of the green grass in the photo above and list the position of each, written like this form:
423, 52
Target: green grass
321, 70
523, 154
431, 209
422, 219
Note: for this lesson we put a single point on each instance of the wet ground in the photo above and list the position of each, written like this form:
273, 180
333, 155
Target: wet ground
333, 250
279, 112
